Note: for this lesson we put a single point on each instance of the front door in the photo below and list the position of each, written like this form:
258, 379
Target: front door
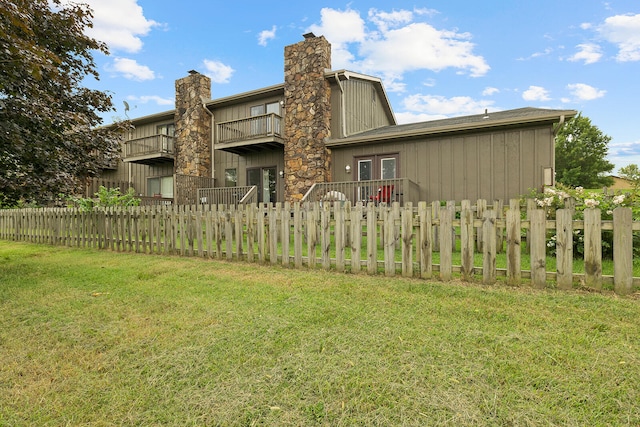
265, 180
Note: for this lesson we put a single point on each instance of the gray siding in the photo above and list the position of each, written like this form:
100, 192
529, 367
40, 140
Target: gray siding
364, 110
486, 165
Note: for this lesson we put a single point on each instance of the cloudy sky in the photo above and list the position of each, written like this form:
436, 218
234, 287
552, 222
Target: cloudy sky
437, 59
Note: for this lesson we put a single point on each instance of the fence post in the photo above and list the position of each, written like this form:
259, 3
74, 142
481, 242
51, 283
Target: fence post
407, 240
514, 243
425, 241
339, 239
537, 247
446, 250
466, 239
356, 237
326, 235
372, 237
622, 251
297, 235
593, 248
389, 215
286, 232
489, 247
564, 248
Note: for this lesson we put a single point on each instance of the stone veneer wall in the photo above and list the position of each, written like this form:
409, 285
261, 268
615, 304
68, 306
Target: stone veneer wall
193, 126
307, 116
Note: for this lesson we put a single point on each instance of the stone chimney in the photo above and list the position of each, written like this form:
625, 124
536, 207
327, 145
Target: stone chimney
307, 115
193, 126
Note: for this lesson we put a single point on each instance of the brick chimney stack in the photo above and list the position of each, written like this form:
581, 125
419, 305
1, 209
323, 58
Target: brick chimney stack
307, 115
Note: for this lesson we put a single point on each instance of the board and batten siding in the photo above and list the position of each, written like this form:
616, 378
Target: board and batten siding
499, 164
363, 106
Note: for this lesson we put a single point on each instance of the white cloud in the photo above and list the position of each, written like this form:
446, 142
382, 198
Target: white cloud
536, 93
590, 53
488, 91
158, 100
395, 44
217, 71
119, 23
266, 35
623, 31
624, 153
131, 70
584, 92
440, 106
409, 117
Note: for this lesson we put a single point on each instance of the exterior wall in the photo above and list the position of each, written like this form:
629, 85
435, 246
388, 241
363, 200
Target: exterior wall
262, 159
243, 110
500, 164
307, 116
363, 109
193, 126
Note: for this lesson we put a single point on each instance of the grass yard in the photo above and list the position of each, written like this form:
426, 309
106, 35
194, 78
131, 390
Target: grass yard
99, 338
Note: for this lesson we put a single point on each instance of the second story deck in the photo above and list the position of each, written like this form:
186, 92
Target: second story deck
150, 150
263, 132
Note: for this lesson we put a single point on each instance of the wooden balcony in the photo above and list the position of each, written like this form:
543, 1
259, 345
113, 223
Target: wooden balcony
150, 150
259, 133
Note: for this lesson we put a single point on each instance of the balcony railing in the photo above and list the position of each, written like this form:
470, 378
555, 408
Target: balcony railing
263, 126
149, 148
228, 195
375, 191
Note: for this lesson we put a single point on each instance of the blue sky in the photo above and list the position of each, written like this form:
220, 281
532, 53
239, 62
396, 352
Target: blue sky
437, 59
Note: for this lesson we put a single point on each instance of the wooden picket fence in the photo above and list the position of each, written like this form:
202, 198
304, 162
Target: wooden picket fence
373, 239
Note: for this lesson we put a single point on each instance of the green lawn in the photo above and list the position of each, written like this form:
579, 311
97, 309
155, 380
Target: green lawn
98, 338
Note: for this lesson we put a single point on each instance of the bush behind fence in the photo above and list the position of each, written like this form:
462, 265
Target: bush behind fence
390, 239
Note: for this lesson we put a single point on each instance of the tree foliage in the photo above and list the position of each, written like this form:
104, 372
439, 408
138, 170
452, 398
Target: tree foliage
632, 174
49, 135
581, 150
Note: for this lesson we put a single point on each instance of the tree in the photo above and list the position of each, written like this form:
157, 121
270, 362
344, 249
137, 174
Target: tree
581, 150
49, 135
632, 174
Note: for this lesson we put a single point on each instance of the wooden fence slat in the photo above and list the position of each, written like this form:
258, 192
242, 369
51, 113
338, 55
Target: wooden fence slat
285, 235
389, 215
593, 248
326, 236
273, 232
489, 249
425, 241
622, 251
446, 250
467, 240
297, 235
514, 247
372, 236
339, 236
407, 241
537, 247
564, 248
356, 237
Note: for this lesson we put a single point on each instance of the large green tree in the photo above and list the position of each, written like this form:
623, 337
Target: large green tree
50, 139
581, 151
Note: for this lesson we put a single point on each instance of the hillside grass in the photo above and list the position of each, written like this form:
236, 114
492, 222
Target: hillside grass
92, 337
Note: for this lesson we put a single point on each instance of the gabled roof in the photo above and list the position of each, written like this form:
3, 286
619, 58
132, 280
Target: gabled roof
517, 117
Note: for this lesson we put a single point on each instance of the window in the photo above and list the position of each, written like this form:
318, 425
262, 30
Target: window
161, 186
266, 124
168, 129
231, 177
384, 166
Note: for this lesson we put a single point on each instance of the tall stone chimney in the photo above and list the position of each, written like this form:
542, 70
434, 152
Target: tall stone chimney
193, 126
307, 115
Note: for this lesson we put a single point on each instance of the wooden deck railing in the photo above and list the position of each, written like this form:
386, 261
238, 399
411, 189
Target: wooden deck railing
388, 239
228, 195
149, 145
401, 190
249, 128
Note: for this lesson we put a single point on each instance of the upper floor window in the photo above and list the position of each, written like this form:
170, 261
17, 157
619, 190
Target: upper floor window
168, 129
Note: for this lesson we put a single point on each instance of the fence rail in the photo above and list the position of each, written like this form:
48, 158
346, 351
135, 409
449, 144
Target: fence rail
390, 239
249, 128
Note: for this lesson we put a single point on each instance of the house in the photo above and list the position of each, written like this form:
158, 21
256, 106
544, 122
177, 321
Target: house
328, 134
